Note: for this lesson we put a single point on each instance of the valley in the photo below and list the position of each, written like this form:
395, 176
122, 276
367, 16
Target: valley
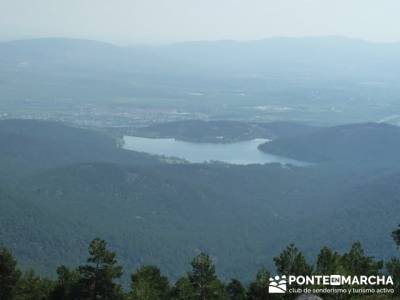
163, 213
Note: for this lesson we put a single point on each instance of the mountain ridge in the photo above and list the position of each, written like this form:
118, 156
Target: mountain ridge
363, 141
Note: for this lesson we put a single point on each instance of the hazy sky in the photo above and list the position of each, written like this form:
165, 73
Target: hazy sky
131, 21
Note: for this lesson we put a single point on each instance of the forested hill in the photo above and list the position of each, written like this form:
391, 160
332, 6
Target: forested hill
367, 142
29, 145
66, 186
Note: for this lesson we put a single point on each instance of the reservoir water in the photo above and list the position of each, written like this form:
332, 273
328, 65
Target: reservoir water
242, 153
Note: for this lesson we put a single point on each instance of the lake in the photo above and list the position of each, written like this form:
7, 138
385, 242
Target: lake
241, 153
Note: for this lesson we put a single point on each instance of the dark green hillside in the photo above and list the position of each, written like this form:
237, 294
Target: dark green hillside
221, 131
363, 208
369, 142
38, 237
167, 214
69, 185
29, 145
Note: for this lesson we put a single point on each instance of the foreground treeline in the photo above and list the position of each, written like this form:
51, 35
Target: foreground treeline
99, 277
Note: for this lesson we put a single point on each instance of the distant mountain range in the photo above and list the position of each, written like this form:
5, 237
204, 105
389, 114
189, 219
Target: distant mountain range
326, 80
327, 56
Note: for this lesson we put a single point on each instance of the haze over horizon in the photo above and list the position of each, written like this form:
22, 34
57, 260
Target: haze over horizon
157, 21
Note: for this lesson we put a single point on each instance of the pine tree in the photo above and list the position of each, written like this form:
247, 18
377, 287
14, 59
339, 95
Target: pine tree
66, 287
235, 290
148, 284
32, 287
98, 275
396, 236
292, 262
183, 290
356, 263
258, 290
328, 262
204, 280
9, 275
